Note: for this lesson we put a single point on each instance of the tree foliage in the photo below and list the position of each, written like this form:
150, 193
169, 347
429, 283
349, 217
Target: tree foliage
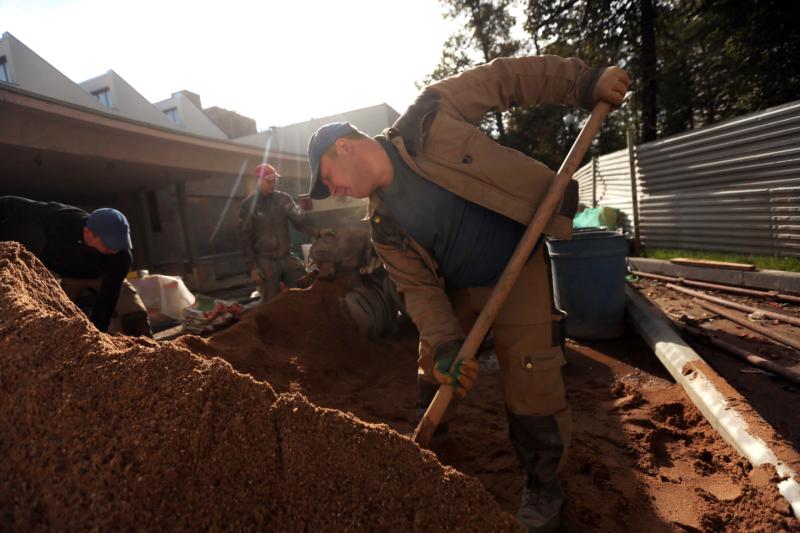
487, 32
726, 58
692, 62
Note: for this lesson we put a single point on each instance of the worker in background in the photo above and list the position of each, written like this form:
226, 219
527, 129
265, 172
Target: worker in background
448, 206
90, 253
264, 219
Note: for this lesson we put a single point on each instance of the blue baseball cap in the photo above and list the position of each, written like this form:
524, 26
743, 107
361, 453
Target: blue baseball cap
112, 228
322, 139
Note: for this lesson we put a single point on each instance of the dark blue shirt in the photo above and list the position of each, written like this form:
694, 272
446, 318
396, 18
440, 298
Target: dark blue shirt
53, 232
472, 244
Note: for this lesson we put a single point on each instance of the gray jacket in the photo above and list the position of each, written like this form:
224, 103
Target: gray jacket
264, 226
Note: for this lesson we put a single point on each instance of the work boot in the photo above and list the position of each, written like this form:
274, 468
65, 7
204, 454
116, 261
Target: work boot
136, 324
427, 391
307, 280
538, 445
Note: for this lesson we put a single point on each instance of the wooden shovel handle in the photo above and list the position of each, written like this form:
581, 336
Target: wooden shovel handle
437, 408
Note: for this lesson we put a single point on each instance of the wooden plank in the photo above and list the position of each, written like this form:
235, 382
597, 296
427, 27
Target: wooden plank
169, 334
711, 264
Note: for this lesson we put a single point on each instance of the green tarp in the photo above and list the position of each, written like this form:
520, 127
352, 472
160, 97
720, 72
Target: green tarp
598, 217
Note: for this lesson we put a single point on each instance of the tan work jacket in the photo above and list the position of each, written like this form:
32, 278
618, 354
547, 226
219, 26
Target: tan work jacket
450, 150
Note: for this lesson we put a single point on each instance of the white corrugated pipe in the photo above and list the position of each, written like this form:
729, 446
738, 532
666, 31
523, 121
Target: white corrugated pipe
689, 369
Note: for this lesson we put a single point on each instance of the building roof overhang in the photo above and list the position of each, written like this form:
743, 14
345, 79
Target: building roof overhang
53, 147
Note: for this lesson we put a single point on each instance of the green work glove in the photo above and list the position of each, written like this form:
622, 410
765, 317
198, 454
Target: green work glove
462, 377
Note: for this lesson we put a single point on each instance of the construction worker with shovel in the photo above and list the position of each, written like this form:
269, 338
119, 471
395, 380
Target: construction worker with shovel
448, 206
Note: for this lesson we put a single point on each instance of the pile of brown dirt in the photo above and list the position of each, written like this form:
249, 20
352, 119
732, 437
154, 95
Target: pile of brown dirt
305, 342
642, 457
100, 432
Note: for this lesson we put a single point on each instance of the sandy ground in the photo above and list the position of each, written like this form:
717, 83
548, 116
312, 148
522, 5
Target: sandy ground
768, 395
113, 433
643, 458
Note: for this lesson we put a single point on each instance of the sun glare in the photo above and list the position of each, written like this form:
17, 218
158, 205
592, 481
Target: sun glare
278, 62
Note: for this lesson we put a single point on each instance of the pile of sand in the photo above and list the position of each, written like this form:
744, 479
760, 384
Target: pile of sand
114, 433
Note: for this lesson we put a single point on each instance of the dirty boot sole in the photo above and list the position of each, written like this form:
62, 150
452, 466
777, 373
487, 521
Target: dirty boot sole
538, 524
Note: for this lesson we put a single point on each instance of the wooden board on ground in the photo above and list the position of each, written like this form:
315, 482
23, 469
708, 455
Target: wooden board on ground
169, 334
712, 264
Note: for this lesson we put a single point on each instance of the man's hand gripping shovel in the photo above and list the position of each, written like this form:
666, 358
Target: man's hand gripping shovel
437, 408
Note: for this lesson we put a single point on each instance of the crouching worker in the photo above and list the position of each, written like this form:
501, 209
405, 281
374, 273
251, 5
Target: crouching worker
90, 253
448, 207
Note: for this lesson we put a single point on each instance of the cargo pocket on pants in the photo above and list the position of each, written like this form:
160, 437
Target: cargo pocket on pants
533, 383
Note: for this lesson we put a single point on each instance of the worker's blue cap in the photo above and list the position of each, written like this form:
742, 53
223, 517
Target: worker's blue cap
322, 139
112, 228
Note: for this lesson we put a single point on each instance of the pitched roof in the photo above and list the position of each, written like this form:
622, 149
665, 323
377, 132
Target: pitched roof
294, 138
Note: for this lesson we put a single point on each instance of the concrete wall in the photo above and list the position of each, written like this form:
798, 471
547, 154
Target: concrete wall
191, 117
126, 101
213, 210
34, 74
104, 156
232, 123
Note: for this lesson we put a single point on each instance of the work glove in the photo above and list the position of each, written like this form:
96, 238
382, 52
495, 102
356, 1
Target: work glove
612, 86
256, 275
462, 377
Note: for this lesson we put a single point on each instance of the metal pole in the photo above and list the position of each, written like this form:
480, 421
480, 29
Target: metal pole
634, 195
744, 355
144, 230
594, 181
183, 211
773, 295
783, 339
735, 305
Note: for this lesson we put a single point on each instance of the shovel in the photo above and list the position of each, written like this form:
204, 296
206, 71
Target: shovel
437, 408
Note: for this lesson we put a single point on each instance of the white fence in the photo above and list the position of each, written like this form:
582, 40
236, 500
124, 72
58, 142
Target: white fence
732, 186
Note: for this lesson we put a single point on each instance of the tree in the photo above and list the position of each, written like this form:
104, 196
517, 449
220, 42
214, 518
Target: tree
748, 59
604, 32
692, 62
455, 58
487, 33
649, 70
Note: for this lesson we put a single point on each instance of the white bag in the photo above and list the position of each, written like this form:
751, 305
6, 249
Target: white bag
166, 295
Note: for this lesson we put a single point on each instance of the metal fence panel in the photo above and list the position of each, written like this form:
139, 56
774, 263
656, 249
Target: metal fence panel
730, 187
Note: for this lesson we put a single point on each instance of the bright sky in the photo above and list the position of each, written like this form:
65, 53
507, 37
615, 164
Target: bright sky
277, 61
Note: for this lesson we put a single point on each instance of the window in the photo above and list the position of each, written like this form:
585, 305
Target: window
172, 114
104, 95
4, 70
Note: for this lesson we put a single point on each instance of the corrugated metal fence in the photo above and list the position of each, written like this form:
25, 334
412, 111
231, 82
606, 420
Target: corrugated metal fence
732, 186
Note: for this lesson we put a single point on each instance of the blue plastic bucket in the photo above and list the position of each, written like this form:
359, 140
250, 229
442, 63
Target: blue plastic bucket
589, 283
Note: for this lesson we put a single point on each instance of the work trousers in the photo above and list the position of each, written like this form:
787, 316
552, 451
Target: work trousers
130, 314
288, 269
128, 301
527, 341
